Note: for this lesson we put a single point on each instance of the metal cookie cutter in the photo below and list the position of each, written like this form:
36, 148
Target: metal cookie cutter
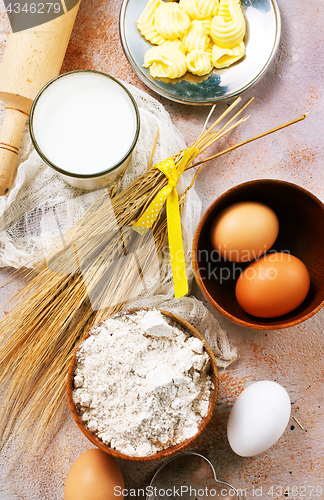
189, 476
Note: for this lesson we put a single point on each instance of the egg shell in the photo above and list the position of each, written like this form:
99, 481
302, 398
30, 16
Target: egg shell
258, 418
93, 476
244, 231
273, 286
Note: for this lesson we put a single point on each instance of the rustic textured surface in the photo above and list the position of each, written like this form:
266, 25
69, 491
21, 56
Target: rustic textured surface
293, 357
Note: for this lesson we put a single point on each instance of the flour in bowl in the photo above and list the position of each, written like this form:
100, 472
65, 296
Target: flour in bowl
141, 384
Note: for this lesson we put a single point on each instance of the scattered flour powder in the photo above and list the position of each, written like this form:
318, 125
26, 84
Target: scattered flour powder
141, 384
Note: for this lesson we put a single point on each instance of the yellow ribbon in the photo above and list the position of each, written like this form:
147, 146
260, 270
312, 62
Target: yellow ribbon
169, 195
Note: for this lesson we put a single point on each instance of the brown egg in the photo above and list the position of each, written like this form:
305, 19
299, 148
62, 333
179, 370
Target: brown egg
272, 286
93, 476
244, 231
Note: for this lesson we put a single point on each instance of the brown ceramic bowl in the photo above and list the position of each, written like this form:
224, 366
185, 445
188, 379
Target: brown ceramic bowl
301, 232
169, 451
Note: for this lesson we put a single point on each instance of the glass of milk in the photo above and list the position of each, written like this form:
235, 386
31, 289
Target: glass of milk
85, 125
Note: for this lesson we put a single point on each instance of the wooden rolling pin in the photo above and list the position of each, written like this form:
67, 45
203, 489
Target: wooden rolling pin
32, 57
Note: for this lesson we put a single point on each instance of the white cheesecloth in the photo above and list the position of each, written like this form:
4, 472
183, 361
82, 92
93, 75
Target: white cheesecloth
38, 187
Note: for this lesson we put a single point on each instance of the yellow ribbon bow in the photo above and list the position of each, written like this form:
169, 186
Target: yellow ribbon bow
169, 195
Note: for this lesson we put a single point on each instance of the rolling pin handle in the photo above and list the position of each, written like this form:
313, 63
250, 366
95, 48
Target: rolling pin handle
10, 139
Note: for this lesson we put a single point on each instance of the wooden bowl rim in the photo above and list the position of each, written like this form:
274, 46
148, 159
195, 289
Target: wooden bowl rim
168, 451
256, 326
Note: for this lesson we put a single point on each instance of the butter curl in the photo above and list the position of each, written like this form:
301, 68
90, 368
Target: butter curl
228, 26
165, 62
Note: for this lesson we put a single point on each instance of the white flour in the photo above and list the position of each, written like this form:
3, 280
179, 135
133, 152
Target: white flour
141, 383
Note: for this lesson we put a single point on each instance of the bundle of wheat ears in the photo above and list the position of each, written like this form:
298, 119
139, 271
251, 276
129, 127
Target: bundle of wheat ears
53, 311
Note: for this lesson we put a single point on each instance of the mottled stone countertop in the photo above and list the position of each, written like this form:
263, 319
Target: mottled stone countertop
293, 357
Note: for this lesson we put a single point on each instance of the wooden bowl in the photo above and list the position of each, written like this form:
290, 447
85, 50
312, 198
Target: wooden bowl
169, 451
301, 232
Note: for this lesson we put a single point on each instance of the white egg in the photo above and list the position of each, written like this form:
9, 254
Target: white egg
258, 418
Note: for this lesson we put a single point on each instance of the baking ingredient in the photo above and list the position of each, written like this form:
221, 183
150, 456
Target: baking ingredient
196, 37
212, 34
165, 61
225, 57
199, 9
79, 113
272, 286
198, 62
244, 231
93, 476
258, 418
146, 25
170, 21
228, 26
141, 384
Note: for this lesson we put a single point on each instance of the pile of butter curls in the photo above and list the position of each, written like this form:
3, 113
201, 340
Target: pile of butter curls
192, 35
